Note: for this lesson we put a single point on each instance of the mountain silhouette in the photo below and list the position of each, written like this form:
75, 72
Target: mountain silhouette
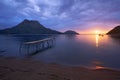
70, 32
114, 31
29, 27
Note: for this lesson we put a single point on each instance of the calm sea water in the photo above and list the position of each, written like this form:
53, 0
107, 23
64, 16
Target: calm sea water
79, 50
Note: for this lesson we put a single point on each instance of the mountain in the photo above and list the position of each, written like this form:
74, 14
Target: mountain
115, 31
29, 27
71, 32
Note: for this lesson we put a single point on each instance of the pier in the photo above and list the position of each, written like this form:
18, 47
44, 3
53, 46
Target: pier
33, 47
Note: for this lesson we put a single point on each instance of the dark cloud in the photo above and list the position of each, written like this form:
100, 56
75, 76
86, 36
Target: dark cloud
61, 14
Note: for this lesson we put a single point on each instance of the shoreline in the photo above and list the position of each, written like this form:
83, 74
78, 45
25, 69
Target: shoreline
27, 69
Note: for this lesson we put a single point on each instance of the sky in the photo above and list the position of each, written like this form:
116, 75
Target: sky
79, 15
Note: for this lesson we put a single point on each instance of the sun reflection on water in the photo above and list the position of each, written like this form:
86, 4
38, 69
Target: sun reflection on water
97, 40
97, 64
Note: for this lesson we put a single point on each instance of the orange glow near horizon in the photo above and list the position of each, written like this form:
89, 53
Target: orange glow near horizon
93, 31
97, 32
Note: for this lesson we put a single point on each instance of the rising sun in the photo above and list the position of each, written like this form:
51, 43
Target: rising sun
97, 31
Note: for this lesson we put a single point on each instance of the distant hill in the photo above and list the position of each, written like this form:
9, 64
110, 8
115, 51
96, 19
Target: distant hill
71, 32
114, 31
29, 27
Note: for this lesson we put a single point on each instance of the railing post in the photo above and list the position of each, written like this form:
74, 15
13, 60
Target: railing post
48, 44
42, 45
28, 46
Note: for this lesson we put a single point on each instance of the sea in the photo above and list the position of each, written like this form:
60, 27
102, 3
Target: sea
91, 51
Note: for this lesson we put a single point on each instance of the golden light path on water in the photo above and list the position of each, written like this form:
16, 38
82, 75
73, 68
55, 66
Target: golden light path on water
97, 64
97, 40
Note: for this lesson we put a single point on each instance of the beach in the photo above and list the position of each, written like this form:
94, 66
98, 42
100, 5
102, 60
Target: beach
27, 69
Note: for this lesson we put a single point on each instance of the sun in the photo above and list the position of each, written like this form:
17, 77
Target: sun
97, 31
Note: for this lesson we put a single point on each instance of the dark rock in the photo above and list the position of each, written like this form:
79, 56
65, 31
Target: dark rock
114, 31
71, 32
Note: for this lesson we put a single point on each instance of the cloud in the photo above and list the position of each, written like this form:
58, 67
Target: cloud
12, 3
61, 14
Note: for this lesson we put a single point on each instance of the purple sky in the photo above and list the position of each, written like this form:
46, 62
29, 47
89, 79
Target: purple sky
79, 15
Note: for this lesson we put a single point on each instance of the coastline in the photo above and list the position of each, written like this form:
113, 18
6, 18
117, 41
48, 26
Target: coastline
27, 69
